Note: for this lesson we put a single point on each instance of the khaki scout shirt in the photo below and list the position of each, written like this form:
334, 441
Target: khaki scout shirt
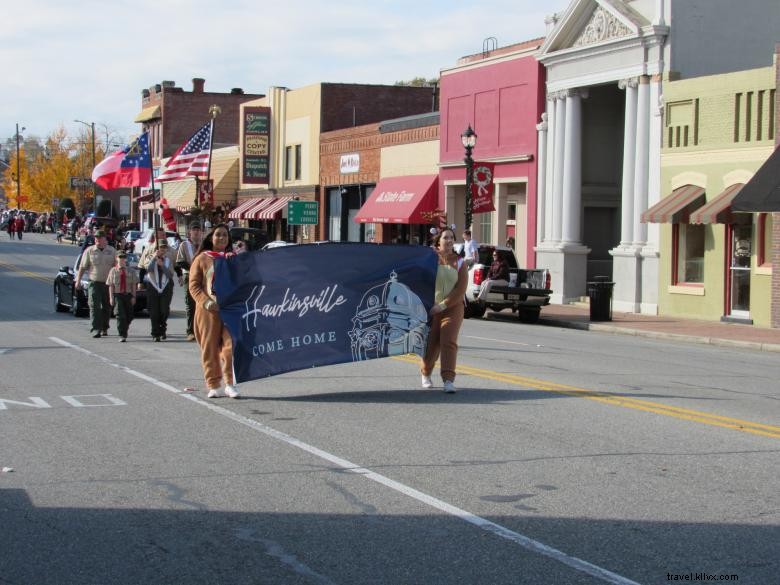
98, 263
131, 280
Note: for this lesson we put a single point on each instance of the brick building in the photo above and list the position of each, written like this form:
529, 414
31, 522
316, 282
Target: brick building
280, 138
353, 161
172, 115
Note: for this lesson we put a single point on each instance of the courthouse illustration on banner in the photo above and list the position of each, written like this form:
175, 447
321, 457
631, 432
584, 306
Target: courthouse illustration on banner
300, 307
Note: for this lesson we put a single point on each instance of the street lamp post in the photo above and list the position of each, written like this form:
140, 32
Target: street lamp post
18, 167
469, 140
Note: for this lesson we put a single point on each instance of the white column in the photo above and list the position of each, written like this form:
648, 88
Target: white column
558, 169
541, 177
572, 174
629, 150
642, 159
654, 162
549, 168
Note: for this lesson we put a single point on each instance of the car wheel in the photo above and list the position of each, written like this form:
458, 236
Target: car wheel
474, 310
528, 315
58, 306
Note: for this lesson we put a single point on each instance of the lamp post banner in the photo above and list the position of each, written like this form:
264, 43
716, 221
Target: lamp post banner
482, 187
306, 306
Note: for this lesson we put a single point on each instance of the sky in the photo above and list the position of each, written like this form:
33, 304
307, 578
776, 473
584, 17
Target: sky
89, 60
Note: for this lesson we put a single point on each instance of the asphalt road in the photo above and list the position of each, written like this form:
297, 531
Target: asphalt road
567, 457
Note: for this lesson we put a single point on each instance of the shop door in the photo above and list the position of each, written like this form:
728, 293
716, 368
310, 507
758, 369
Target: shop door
738, 277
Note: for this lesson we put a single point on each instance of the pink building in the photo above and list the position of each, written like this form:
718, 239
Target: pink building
500, 93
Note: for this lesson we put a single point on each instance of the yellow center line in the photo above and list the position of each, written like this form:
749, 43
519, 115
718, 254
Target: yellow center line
35, 275
618, 400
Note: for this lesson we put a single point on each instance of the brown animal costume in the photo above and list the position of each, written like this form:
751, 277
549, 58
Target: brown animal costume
216, 347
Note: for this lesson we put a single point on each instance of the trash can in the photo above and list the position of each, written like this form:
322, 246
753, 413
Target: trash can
600, 295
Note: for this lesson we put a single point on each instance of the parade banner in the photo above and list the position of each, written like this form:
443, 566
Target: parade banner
482, 187
306, 306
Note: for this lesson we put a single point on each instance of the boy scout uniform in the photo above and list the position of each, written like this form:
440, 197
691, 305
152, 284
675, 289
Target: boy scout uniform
98, 263
123, 307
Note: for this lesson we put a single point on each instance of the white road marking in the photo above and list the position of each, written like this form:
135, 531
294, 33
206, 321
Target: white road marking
486, 525
496, 340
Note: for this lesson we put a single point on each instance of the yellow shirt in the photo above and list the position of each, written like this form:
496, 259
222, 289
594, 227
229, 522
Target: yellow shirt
446, 279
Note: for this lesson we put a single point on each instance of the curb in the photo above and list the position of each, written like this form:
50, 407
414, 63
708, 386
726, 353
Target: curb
716, 341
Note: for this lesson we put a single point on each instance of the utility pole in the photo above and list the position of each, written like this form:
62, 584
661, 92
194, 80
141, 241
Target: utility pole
18, 168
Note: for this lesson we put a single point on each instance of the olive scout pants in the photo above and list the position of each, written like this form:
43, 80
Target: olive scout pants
99, 307
123, 311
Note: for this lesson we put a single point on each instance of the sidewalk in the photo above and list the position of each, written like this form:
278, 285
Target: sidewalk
671, 328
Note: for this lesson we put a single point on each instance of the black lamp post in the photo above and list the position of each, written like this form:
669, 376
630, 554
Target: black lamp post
469, 139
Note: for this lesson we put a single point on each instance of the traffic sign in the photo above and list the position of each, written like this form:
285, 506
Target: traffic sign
303, 212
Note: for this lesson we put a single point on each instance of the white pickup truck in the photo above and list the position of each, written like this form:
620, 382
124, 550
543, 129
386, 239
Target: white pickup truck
527, 293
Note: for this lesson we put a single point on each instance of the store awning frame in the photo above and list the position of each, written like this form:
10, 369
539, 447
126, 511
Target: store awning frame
719, 209
676, 207
762, 192
150, 113
401, 200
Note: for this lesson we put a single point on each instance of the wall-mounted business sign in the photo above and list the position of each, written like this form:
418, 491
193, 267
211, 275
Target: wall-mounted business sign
350, 163
257, 145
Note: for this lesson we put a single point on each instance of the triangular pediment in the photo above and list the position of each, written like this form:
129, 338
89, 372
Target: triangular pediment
592, 22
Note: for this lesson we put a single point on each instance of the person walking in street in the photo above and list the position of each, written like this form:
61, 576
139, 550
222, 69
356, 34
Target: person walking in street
446, 313
98, 259
216, 346
470, 248
122, 285
11, 226
19, 227
159, 290
184, 257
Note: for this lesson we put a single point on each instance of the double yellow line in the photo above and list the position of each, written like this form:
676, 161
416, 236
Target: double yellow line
35, 275
618, 400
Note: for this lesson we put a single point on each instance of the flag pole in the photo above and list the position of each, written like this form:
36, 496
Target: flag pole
151, 180
215, 111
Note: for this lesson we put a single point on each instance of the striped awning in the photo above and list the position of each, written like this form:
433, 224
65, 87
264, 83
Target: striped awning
273, 209
242, 207
254, 211
677, 207
719, 209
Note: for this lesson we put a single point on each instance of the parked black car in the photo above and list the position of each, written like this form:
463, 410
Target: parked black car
67, 298
254, 238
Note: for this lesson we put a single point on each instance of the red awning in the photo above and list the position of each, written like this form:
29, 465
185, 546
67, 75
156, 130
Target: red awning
273, 210
677, 207
719, 209
401, 200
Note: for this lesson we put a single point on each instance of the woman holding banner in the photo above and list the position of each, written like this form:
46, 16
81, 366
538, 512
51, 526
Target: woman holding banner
216, 346
447, 313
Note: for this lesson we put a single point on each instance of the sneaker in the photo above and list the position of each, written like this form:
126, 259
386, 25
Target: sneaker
122, 339
449, 387
157, 339
214, 393
231, 391
426, 382
190, 337
97, 335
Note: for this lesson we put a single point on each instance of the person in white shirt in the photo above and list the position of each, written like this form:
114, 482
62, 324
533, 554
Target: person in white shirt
470, 248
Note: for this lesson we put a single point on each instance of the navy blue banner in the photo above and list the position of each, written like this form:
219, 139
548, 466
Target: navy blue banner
310, 305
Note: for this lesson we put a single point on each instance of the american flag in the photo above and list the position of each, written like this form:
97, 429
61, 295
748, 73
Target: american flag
192, 158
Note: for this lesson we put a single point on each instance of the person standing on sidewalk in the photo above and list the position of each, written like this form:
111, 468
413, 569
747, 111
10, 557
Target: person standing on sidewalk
98, 259
470, 248
122, 284
216, 345
184, 257
159, 290
447, 313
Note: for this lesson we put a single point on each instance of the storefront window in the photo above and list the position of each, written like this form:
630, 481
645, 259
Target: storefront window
485, 223
764, 239
689, 254
334, 215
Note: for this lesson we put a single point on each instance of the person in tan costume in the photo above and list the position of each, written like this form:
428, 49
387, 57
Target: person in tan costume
216, 346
